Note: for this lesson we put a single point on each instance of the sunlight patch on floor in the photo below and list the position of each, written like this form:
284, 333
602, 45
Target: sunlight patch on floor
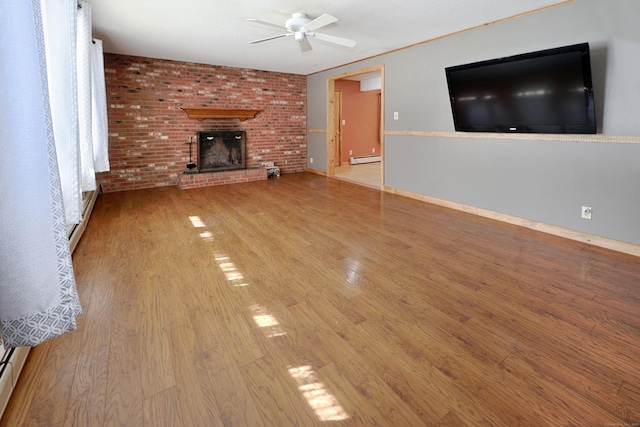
267, 321
196, 222
229, 269
323, 403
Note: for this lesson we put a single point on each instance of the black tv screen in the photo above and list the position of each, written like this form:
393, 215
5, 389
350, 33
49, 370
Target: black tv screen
548, 91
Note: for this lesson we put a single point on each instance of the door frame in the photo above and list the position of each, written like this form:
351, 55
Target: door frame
338, 126
333, 133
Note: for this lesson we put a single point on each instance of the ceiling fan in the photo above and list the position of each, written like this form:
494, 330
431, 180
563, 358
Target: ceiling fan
300, 27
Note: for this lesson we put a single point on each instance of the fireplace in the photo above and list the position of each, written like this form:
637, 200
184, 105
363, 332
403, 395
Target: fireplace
221, 151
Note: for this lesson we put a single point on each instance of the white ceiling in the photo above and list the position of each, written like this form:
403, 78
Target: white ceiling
216, 32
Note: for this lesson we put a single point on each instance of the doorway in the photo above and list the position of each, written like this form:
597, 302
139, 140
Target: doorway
348, 157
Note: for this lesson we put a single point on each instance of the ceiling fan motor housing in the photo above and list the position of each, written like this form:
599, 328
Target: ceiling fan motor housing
296, 22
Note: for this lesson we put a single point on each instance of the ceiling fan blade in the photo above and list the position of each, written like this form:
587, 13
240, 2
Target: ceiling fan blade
269, 38
266, 24
305, 46
321, 21
334, 39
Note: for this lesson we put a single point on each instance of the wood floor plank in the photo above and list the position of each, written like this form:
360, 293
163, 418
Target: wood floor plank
312, 301
162, 409
238, 331
124, 398
88, 394
368, 389
293, 337
155, 352
276, 395
234, 402
21, 400
451, 420
629, 395
554, 407
50, 401
96, 330
414, 383
193, 393
464, 372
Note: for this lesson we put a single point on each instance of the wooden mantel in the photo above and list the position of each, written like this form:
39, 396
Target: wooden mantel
220, 113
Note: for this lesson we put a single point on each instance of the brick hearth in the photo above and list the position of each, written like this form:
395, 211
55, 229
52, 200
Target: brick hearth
207, 179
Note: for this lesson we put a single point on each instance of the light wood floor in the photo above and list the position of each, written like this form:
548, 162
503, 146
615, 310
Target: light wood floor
310, 301
369, 174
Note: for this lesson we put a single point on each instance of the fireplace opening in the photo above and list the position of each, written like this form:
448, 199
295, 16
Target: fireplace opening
221, 151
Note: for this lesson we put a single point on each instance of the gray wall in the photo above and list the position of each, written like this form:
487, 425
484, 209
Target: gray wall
538, 179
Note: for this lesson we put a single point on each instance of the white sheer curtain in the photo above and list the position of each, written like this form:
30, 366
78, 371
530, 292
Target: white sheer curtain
59, 19
83, 49
38, 298
99, 121
75, 69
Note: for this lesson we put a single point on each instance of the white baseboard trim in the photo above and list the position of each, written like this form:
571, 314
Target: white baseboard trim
603, 242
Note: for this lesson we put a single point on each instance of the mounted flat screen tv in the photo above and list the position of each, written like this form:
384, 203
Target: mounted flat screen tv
548, 91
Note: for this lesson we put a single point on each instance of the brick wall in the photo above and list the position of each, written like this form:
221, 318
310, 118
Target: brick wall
148, 130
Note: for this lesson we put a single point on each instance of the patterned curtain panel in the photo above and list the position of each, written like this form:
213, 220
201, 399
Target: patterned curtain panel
38, 298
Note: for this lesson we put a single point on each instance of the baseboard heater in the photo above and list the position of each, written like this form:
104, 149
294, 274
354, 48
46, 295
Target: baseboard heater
10, 366
357, 160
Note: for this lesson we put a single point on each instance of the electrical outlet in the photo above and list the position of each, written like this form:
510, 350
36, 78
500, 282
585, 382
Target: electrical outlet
373, 150
310, 159
395, 115
586, 212
351, 152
